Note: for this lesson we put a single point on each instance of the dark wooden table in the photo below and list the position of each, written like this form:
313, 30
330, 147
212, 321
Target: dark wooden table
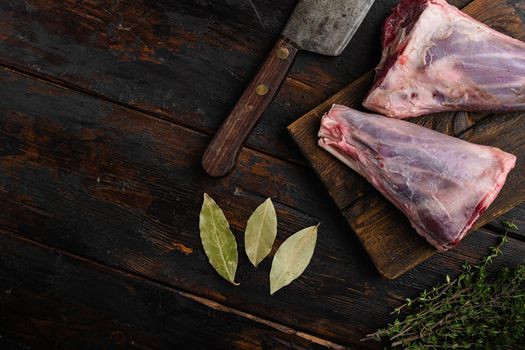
106, 107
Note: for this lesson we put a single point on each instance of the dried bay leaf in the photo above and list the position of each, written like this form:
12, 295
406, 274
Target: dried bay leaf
292, 258
218, 240
260, 233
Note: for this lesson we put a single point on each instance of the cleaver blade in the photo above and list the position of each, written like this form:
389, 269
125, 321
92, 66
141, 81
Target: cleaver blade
325, 26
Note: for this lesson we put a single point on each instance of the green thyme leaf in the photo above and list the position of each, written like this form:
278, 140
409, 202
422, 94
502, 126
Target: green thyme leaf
477, 310
218, 240
510, 225
261, 230
292, 258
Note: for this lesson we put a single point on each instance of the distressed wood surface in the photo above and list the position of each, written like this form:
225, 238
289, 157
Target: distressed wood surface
60, 301
384, 231
111, 185
105, 110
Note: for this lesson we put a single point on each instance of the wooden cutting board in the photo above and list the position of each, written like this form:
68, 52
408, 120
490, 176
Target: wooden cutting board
386, 234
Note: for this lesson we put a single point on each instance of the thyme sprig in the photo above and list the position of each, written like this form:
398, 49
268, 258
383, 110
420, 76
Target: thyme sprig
472, 311
510, 225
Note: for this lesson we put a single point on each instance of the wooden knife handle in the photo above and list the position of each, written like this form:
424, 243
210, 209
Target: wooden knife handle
220, 156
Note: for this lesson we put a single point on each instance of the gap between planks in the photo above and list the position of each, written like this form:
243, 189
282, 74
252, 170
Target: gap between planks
185, 294
495, 230
48, 79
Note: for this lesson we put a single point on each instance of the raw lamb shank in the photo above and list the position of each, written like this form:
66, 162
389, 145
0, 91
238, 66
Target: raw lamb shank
441, 183
436, 58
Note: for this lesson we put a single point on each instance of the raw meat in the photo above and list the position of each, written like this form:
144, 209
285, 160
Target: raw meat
436, 58
441, 183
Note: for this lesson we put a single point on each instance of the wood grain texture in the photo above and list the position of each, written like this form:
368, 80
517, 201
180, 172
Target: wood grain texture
124, 189
123, 186
516, 216
385, 233
221, 154
56, 300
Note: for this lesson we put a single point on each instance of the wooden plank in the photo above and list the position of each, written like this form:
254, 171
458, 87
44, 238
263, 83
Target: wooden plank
386, 235
54, 300
184, 61
515, 216
116, 186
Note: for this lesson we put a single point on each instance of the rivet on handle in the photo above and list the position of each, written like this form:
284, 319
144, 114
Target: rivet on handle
283, 53
261, 89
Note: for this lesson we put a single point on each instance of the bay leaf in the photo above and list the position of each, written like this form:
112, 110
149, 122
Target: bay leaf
218, 240
292, 258
260, 233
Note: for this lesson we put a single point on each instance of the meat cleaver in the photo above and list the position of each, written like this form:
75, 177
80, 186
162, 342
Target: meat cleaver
320, 26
